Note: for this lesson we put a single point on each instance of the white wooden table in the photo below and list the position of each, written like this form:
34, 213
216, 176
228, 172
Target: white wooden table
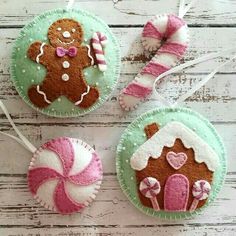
213, 27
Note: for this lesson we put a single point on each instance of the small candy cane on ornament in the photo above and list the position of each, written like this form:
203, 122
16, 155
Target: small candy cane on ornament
99, 41
201, 190
150, 188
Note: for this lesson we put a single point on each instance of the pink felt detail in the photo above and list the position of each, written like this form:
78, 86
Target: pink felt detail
200, 191
64, 149
154, 69
176, 193
71, 52
173, 48
176, 160
90, 174
174, 23
137, 90
152, 189
38, 176
63, 202
151, 31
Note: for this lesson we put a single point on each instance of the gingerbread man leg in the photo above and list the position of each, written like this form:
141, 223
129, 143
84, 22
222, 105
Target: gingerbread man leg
82, 95
44, 94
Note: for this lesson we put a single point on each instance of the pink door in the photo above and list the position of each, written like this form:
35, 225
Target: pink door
176, 193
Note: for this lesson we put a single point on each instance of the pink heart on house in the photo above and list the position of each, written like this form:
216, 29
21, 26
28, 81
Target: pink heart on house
176, 160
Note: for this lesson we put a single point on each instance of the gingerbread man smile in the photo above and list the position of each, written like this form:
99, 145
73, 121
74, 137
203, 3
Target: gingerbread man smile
64, 58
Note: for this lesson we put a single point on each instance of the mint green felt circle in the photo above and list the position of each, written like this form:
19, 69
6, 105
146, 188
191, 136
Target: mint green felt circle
25, 72
134, 136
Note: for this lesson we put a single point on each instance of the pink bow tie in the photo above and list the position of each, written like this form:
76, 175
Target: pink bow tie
71, 52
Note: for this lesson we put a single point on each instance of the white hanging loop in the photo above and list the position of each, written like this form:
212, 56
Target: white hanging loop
22, 139
70, 4
200, 84
182, 9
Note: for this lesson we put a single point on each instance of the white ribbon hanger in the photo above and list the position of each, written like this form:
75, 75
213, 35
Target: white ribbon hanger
176, 69
183, 10
22, 139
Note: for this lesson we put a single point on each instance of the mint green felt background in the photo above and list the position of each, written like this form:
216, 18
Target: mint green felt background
25, 72
134, 136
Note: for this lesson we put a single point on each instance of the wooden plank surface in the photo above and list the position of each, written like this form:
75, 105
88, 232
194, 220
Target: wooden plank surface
212, 28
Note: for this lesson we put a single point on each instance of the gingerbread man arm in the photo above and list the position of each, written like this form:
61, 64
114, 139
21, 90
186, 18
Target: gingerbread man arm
86, 56
40, 52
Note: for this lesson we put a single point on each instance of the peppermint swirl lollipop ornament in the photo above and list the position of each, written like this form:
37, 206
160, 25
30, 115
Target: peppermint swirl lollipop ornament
65, 63
64, 174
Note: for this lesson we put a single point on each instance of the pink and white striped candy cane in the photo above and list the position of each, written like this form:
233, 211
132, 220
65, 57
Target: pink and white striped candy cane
99, 41
167, 36
150, 188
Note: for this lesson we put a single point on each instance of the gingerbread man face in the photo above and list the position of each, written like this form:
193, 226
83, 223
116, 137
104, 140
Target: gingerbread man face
65, 33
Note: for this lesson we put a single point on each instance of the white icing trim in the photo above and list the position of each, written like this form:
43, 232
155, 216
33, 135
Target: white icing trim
44, 95
65, 42
89, 54
82, 96
166, 137
41, 52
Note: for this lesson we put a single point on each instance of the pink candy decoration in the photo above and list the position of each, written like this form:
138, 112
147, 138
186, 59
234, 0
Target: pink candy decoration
99, 41
201, 190
176, 160
150, 188
65, 152
176, 193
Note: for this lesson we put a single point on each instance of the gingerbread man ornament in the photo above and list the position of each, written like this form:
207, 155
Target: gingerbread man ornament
64, 59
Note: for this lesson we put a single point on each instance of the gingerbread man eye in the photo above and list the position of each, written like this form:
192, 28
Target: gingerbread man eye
73, 30
59, 28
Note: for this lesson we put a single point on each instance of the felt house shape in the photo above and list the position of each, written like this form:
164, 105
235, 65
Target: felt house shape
177, 158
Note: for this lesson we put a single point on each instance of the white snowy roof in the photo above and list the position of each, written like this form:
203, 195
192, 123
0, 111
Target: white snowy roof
166, 137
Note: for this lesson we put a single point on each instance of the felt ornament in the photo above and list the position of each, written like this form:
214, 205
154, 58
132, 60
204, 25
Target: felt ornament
65, 62
171, 162
166, 36
64, 174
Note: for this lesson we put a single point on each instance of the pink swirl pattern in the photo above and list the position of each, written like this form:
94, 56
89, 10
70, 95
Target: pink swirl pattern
89, 175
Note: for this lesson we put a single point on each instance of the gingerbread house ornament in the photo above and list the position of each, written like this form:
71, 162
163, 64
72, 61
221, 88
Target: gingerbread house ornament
171, 163
177, 162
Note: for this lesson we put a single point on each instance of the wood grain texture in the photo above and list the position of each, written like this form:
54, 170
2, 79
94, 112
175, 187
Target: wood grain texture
212, 28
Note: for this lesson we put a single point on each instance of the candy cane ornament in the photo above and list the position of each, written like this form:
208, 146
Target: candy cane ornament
201, 190
150, 188
166, 36
99, 41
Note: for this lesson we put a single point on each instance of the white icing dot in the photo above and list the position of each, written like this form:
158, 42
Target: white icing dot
59, 99
25, 56
73, 30
38, 68
85, 40
126, 161
65, 77
30, 39
132, 178
97, 83
108, 87
123, 148
32, 81
66, 64
85, 73
23, 71
59, 28
72, 109
18, 49
135, 144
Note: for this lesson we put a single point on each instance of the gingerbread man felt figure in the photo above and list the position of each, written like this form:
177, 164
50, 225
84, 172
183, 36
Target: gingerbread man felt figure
65, 58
